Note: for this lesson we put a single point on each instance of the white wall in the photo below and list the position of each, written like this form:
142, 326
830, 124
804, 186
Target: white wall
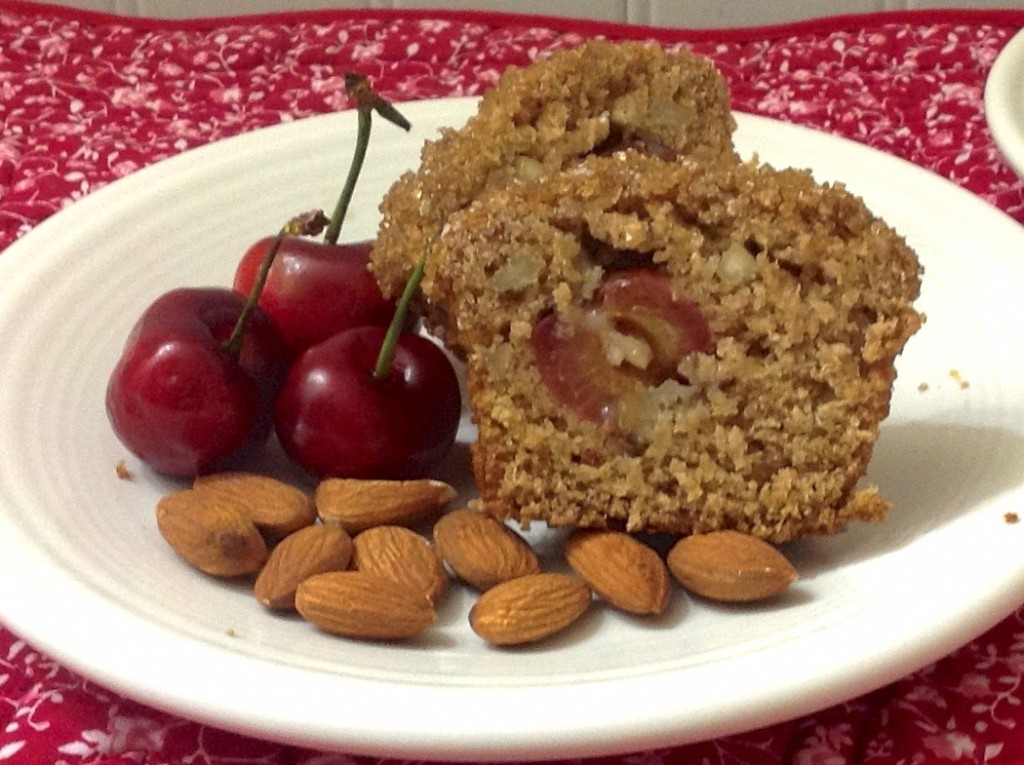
676, 13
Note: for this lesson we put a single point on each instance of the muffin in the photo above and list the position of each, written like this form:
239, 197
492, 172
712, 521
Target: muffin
594, 99
676, 346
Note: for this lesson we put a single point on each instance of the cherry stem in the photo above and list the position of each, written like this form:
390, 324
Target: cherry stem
307, 224
367, 102
387, 348
362, 141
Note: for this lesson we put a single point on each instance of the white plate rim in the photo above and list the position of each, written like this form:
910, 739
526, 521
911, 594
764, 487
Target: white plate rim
433, 722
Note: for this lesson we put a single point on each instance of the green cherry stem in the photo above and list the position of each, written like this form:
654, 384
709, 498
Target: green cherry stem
307, 224
387, 348
359, 154
367, 102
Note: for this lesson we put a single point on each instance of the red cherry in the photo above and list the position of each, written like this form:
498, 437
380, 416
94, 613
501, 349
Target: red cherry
315, 290
335, 418
571, 350
178, 398
640, 301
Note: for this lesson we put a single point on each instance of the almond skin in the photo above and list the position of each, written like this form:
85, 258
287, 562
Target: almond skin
277, 508
210, 534
482, 550
356, 604
403, 556
358, 504
621, 570
311, 550
529, 608
730, 566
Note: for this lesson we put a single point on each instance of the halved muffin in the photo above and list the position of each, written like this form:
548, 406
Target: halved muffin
676, 347
596, 98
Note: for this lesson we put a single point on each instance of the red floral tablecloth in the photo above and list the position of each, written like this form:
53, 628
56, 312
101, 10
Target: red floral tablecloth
86, 99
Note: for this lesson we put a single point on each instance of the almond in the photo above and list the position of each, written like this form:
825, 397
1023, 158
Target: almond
311, 550
212, 535
529, 608
730, 566
403, 556
482, 550
361, 504
277, 508
620, 569
361, 605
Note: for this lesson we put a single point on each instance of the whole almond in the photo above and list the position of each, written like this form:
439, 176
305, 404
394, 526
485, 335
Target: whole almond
276, 507
311, 550
358, 504
620, 569
212, 535
361, 605
730, 566
482, 550
529, 608
403, 556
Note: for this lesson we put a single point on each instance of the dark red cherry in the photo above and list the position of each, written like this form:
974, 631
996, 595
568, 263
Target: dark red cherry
315, 290
337, 418
179, 398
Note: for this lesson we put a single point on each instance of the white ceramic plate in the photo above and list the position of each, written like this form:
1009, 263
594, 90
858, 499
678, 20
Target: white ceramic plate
1004, 102
85, 577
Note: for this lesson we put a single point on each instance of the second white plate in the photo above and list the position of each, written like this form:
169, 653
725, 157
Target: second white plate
85, 576
1004, 102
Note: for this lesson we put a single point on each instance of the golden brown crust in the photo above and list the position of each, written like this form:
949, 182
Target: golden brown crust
543, 118
772, 432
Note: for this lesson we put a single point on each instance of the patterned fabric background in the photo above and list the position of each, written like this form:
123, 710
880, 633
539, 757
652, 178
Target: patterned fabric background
85, 100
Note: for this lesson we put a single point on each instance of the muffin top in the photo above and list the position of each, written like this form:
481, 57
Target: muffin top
596, 98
